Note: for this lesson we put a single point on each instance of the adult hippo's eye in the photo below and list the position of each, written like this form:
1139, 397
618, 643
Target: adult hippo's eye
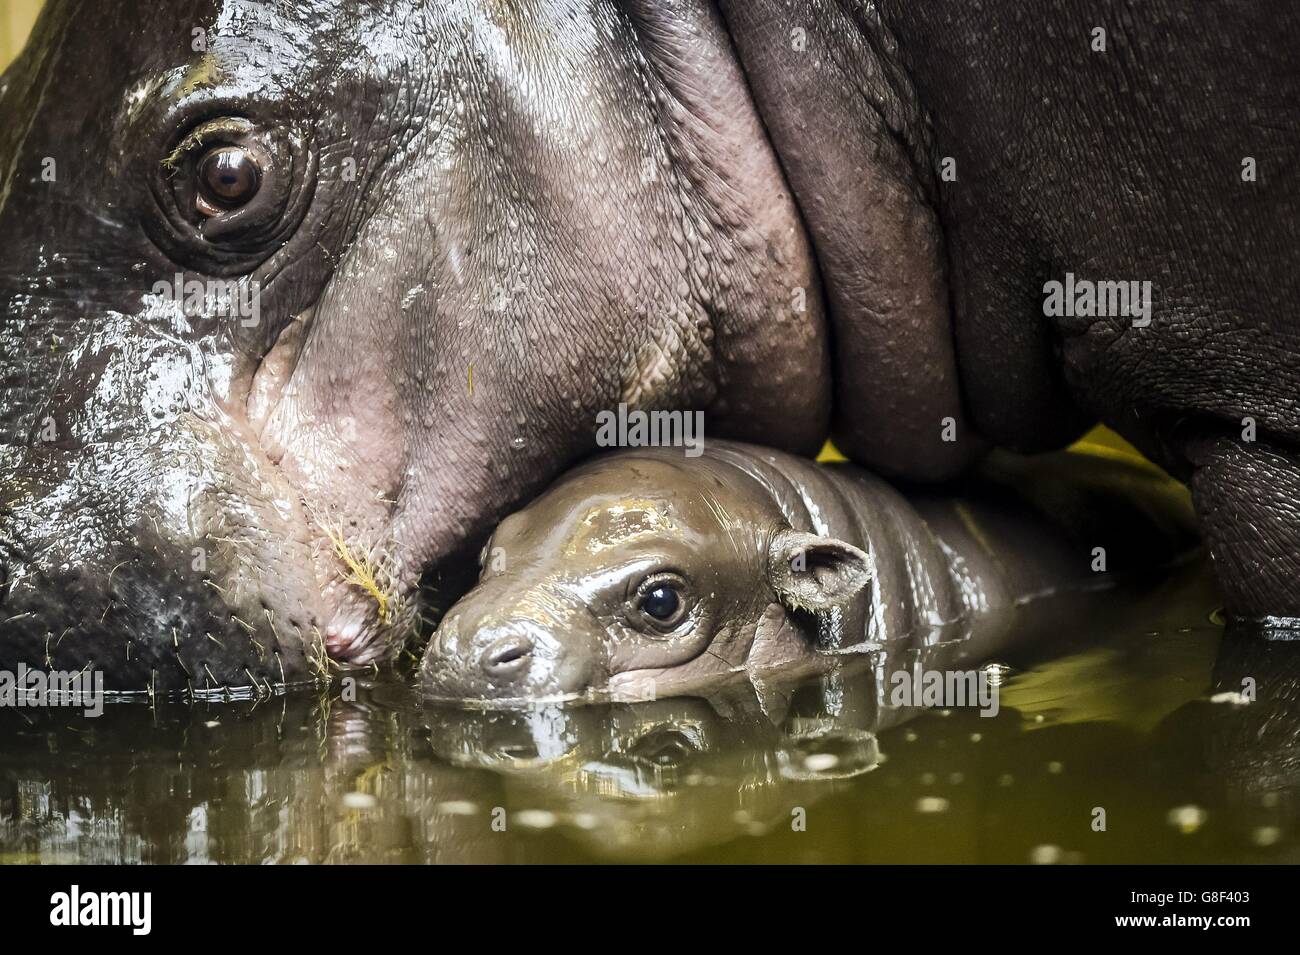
231, 192
228, 177
660, 601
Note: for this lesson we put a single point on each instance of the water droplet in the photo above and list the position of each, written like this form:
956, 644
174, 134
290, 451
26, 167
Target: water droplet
1266, 836
359, 801
1045, 855
820, 762
456, 807
535, 818
1186, 819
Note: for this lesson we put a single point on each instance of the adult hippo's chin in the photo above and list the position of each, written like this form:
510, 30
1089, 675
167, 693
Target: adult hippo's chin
455, 232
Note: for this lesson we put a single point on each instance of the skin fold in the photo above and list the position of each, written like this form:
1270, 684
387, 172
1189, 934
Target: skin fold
478, 224
772, 562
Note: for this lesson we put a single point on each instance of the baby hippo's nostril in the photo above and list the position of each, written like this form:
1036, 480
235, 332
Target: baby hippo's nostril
507, 658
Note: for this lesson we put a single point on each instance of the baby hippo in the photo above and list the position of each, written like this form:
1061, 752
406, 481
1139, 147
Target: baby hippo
646, 572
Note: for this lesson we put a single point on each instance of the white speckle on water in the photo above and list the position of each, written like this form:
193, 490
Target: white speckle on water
359, 801
996, 673
976, 737
910, 736
1187, 819
956, 778
1045, 855
585, 820
1055, 768
1006, 779
927, 779
456, 807
1233, 697
535, 818
932, 804
212, 724
820, 762
1266, 836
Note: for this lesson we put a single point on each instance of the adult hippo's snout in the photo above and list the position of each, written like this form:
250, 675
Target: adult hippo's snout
172, 566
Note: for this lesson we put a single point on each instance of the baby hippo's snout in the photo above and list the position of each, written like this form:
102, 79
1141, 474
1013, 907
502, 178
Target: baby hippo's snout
507, 657
493, 653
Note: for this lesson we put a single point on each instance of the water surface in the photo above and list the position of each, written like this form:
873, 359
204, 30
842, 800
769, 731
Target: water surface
1108, 707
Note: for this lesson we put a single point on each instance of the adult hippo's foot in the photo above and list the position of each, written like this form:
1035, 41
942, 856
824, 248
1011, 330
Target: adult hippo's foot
1248, 499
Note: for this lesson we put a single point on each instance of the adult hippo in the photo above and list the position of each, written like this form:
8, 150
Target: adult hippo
644, 573
298, 299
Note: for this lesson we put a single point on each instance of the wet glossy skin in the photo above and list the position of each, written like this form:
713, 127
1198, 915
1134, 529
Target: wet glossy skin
475, 225
645, 573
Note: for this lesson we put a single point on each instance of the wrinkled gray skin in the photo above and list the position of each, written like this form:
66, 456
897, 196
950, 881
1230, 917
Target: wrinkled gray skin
480, 223
774, 561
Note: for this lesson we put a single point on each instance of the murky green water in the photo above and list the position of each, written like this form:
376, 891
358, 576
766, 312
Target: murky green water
1108, 709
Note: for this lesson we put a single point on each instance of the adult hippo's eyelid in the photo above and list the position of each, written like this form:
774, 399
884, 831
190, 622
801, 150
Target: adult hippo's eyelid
233, 235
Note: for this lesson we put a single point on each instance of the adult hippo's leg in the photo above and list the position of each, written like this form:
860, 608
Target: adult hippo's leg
951, 160
1074, 160
844, 118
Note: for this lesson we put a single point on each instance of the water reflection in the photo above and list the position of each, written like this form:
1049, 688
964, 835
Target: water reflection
822, 768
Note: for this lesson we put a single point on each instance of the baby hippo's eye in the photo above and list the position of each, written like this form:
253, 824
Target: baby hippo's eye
229, 177
660, 601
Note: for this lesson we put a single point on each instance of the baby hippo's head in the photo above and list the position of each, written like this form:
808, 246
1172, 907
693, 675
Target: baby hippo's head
639, 573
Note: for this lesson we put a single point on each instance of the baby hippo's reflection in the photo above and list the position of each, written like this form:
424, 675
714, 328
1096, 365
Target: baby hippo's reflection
663, 777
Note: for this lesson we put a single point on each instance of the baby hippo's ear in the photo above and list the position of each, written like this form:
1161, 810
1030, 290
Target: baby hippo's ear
815, 573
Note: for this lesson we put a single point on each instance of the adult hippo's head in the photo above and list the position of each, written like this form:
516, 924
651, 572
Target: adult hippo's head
295, 299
